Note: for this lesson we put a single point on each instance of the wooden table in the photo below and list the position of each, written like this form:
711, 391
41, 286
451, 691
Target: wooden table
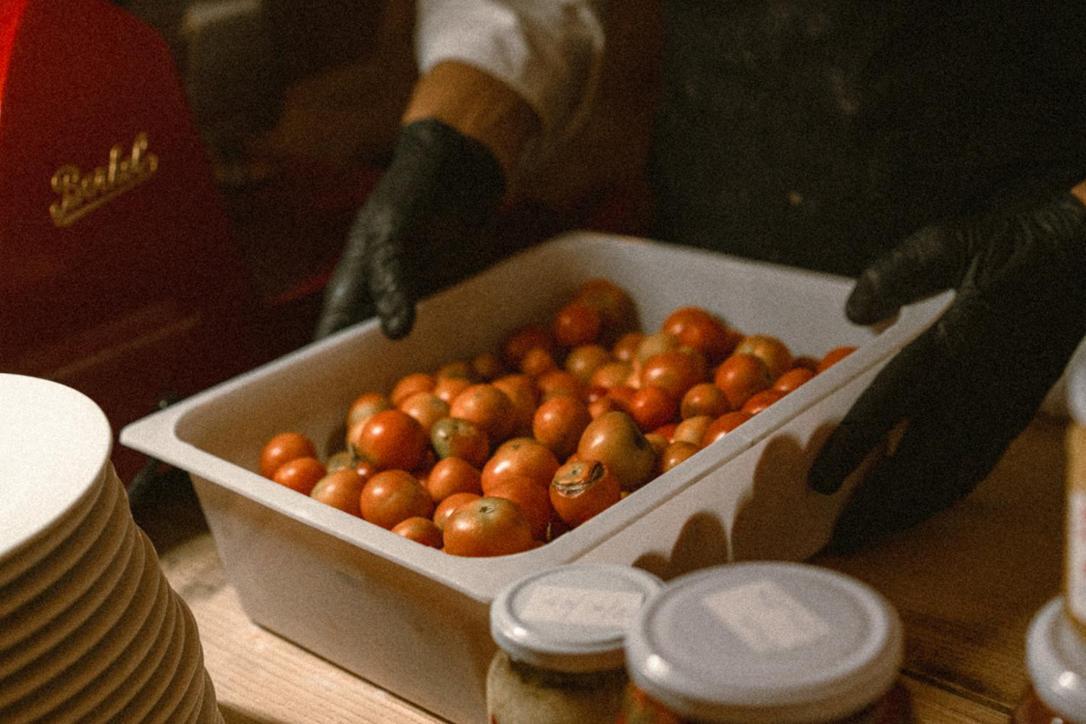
966, 583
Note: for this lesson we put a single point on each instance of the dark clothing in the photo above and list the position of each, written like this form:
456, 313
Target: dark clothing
819, 133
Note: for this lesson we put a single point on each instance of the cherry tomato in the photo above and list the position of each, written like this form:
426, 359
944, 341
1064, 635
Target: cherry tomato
623, 396
340, 489
447, 388
602, 405
426, 407
577, 323
522, 339
421, 530
538, 361
558, 423
834, 356
409, 385
651, 407
523, 393
487, 366
300, 474
488, 527
392, 496
521, 457
450, 476
676, 371
676, 453
449, 505
704, 398
611, 374
391, 439
771, 350
365, 405
740, 376
616, 308
613, 438
582, 361
792, 379
488, 408
761, 400
282, 448
692, 429
582, 489
340, 460
701, 330
625, 349
456, 438
559, 382
654, 344
533, 500
722, 425
456, 368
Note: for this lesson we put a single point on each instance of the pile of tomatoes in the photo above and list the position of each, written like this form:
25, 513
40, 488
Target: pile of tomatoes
503, 452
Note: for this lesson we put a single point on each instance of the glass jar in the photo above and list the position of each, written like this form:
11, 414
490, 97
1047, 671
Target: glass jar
560, 635
765, 642
1056, 661
1074, 578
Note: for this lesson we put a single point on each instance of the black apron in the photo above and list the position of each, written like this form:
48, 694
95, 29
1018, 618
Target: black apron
820, 133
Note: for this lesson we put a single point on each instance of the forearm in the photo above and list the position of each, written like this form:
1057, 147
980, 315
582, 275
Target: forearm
1079, 191
478, 105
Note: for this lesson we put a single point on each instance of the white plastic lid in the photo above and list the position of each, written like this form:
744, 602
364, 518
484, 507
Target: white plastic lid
761, 642
1056, 659
54, 446
571, 618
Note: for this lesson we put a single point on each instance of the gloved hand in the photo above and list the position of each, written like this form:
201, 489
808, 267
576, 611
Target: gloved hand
436, 175
970, 383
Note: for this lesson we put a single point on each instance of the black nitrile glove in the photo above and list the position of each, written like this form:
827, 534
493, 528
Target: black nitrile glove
437, 174
970, 383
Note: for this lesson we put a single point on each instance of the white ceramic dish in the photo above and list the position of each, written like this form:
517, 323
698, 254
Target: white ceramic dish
329, 581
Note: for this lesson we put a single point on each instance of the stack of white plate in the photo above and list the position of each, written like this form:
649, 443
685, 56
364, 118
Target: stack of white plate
90, 630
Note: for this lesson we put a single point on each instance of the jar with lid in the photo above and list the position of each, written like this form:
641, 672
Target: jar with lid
560, 635
1056, 661
765, 642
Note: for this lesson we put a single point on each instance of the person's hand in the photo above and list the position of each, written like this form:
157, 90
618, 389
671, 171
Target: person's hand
436, 174
971, 382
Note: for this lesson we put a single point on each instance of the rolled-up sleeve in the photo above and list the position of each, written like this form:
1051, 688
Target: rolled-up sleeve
548, 51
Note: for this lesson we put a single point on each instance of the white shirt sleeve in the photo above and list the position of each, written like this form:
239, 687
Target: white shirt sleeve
548, 51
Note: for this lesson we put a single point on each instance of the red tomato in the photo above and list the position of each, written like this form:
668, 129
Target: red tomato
538, 361
652, 407
449, 505
761, 400
722, 425
613, 438
704, 398
582, 489
340, 489
577, 323
676, 453
772, 351
300, 474
834, 356
611, 375
487, 366
523, 393
282, 448
456, 438
365, 405
559, 422
676, 371
792, 379
740, 376
409, 385
456, 368
616, 308
426, 407
450, 476
488, 408
692, 429
582, 361
488, 527
525, 338
701, 330
520, 457
654, 344
447, 388
421, 530
625, 349
559, 382
392, 496
533, 500
391, 439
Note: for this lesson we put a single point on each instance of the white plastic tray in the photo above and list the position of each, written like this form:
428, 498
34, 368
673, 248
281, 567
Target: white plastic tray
413, 619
